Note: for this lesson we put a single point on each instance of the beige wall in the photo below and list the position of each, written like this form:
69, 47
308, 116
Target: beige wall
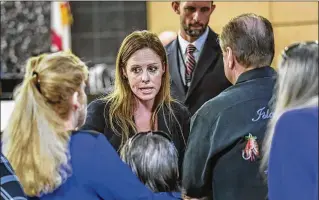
292, 21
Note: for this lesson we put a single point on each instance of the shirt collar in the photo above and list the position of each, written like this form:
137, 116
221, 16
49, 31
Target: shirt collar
260, 72
199, 43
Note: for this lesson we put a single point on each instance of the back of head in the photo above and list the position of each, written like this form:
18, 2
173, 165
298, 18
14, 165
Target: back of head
297, 84
35, 140
298, 74
251, 38
153, 158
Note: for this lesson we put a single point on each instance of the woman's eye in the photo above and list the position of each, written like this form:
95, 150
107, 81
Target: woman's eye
152, 69
136, 70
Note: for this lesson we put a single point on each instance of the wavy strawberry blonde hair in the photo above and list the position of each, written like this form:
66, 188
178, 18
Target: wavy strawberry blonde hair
35, 140
121, 99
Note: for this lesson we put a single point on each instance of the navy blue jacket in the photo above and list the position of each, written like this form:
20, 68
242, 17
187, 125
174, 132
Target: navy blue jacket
293, 160
213, 164
10, 184
98, 173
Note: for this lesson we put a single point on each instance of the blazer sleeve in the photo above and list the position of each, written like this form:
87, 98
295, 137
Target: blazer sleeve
95, 119
197, 170
113, 179
293, 160
184, 118
186, 123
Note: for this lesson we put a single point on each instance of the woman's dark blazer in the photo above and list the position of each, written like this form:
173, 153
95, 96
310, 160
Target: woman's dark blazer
97, 119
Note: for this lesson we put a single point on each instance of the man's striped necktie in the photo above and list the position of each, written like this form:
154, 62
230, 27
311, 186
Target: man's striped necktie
190, 63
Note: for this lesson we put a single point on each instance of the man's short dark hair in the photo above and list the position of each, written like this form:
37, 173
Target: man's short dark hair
251, 38
153, 157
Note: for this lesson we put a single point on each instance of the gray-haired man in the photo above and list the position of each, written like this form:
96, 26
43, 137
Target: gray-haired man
222, 157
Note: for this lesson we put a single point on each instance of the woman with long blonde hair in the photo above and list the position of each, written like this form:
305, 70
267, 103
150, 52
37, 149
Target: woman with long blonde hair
50, 157
291, 144
35, 140
141, 100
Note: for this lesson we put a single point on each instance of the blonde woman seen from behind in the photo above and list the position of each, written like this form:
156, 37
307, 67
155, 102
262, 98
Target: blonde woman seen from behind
50, 157
291, 143
36, 138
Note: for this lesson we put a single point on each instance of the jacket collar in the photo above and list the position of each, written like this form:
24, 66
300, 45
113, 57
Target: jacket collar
261, 72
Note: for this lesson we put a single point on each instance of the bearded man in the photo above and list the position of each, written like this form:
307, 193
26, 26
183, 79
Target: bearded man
195, 59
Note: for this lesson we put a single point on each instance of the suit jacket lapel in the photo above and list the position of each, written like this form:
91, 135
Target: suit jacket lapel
208, 55
174, 67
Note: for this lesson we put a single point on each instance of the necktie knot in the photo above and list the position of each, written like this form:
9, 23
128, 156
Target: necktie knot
190, 48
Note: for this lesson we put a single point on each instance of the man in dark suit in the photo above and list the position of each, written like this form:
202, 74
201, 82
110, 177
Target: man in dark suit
195, 59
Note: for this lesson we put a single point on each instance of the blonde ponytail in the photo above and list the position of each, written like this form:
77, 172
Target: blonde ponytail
35, 140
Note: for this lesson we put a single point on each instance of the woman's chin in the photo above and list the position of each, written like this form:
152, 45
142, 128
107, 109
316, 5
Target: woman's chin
146, 97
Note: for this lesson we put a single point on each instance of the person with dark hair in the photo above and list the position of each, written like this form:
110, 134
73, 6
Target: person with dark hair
195, 59
222, 156
154, 159
294, 124
141, 100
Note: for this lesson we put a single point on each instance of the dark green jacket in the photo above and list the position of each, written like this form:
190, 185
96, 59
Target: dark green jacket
213, 163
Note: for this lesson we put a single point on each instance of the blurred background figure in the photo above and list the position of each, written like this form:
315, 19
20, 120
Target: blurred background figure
101, 79
167, 37
291, 144
153, 157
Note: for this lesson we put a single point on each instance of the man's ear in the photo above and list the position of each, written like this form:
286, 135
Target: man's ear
213, 7
75, 101
175, 6
230, 57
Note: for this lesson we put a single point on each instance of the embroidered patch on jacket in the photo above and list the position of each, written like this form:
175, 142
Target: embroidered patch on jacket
251, 151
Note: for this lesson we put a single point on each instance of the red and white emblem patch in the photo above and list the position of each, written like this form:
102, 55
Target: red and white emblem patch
251, 150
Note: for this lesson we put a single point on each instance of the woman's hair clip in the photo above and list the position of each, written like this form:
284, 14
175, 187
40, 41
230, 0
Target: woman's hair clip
37, 80
34, 73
